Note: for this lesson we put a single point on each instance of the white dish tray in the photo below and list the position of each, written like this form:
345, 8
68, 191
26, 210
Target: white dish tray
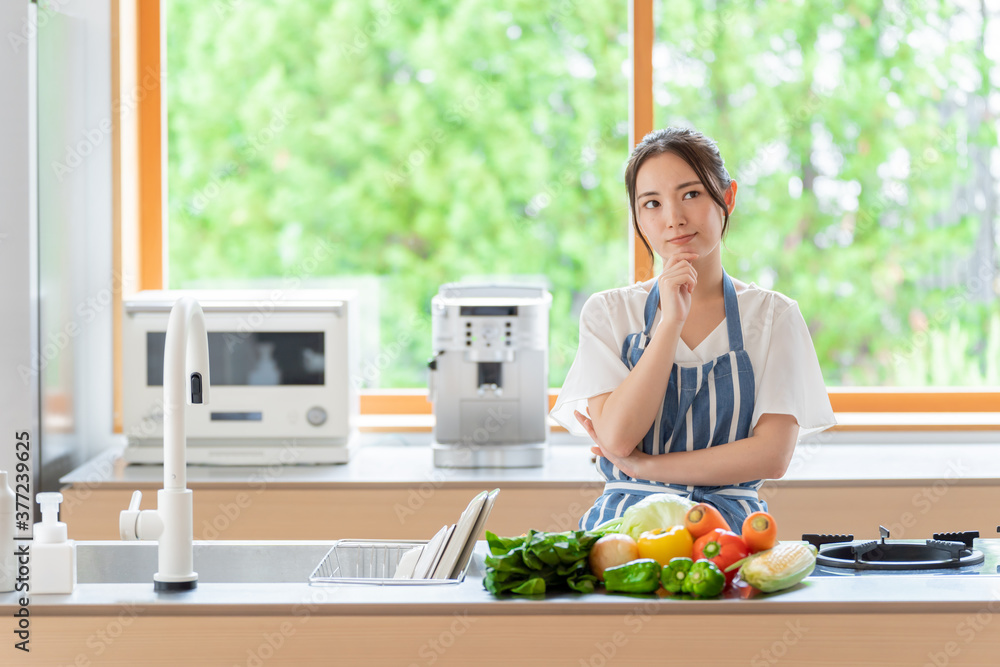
371, 562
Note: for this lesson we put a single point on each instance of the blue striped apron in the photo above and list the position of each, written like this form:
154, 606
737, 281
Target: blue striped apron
706, 404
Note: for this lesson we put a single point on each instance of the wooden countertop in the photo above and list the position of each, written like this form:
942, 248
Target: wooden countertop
869, 593
404, 460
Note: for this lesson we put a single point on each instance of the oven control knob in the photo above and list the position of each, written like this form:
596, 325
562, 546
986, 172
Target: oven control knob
316, 416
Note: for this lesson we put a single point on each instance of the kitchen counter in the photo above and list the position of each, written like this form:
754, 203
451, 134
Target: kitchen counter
404, 459
824, 621
848, 593
391, 490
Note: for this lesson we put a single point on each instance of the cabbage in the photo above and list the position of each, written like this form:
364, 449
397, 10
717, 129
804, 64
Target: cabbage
660, 510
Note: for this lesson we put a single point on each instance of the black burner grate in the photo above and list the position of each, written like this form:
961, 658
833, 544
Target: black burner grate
944, 550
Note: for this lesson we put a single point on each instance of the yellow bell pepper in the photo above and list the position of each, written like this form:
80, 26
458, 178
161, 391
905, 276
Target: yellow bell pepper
663, 544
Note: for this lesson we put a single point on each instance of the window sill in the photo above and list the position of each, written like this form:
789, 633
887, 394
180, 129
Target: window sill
847, 422
917, 421
867, 409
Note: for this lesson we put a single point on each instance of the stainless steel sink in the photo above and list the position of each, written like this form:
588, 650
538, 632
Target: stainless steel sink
234, 562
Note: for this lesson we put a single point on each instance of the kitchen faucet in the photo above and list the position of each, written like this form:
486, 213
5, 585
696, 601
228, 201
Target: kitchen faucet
185, 369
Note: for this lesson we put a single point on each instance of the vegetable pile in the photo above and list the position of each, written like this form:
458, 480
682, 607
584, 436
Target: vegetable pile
690, 553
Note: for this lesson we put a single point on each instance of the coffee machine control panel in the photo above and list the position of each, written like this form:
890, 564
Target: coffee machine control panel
488, 329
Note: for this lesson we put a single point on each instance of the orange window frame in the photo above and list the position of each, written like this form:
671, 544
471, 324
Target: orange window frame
138, 35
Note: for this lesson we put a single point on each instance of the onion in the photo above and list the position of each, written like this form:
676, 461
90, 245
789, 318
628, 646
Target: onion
611, 550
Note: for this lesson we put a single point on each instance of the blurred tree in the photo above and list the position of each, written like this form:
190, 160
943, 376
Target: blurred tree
426, 142
845, 126
420, 144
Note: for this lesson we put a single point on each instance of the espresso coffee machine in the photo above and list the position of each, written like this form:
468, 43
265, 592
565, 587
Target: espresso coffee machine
489, 376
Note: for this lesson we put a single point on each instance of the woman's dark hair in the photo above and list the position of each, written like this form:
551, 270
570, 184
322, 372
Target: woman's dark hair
693, 147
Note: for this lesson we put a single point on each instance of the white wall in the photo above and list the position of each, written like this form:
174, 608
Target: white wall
18, 285
60, 275
75, 216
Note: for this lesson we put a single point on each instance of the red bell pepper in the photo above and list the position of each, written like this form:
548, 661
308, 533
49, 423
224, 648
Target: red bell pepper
722, 547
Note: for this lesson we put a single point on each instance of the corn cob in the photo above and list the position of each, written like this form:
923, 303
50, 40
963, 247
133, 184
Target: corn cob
779, 567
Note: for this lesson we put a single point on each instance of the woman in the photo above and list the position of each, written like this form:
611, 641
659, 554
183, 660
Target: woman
672, 368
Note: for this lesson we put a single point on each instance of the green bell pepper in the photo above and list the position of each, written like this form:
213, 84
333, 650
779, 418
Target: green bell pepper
637, 576
704, 579
675, 573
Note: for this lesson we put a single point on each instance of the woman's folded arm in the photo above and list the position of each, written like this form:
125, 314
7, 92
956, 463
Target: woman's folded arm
622, 418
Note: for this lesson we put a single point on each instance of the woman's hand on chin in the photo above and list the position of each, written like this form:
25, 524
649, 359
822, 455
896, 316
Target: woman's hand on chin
631, 465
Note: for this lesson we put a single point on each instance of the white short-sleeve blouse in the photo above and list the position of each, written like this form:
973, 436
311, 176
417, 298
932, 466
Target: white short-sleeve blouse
786, 370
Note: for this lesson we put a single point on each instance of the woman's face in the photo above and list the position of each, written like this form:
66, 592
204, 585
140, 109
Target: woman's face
675, 211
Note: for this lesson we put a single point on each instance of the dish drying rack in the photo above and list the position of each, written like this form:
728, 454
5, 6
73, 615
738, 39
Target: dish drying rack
371, 562
376, 561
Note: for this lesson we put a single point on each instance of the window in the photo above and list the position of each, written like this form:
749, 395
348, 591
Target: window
449, 141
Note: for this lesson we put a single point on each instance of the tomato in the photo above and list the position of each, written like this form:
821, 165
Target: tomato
663, 544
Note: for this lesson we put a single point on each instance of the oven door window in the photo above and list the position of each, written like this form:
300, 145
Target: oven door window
250, 359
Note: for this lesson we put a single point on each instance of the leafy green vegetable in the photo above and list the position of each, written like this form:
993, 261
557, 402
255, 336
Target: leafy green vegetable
659, 510
501, 545
530, 564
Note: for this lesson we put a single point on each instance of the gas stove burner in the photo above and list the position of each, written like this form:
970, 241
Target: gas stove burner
945, 550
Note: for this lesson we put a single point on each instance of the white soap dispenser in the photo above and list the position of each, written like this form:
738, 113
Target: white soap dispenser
53, 557
8, 564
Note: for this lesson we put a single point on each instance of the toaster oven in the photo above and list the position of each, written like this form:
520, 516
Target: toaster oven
283, 372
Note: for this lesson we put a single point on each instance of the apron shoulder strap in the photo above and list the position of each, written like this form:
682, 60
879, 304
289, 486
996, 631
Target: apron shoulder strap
652, 301
732, 313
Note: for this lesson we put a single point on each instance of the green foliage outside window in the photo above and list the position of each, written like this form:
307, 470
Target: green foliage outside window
861, 135
424, 143
411, 144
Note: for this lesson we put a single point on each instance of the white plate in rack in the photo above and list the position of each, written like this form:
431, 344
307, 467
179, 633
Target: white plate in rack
429, 554
404, 570
463, 529
478, 524
440, 551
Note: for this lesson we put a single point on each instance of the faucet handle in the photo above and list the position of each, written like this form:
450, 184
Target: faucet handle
128, 523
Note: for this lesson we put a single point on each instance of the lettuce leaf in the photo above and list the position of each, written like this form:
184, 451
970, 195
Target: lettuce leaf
660, 510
